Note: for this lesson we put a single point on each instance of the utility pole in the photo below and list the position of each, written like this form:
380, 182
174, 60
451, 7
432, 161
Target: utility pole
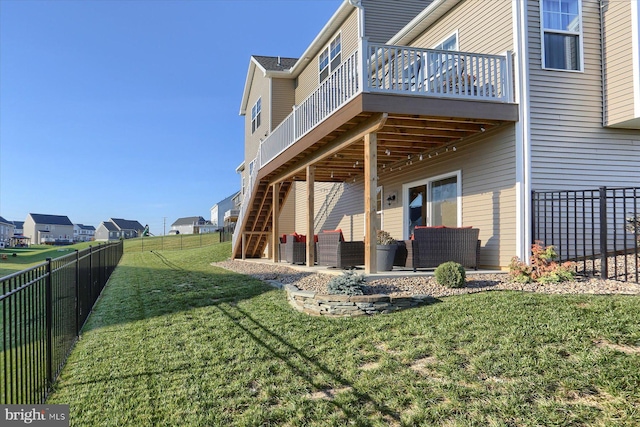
164, 225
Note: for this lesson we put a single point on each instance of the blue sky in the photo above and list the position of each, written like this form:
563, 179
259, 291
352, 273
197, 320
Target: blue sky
130, 109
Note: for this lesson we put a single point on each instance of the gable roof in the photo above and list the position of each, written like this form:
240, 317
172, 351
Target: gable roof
126, 224
109, 226
275, 63
293, 70
18, 224
4, 221
50, 219
189, 220
86, 227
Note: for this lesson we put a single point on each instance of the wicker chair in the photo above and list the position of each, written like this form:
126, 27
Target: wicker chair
294, 251
333, 251
432, 246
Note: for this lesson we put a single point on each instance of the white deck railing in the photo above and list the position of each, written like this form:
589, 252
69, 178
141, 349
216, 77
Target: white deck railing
388, 69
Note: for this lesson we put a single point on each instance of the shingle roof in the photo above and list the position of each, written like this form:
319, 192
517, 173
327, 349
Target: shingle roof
18, 224
275, 63
50, 219
109, 226
127, 224
5, 221
189, 220
86, 227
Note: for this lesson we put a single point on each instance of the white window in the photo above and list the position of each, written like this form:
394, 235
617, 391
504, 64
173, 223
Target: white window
561, 34
330, 58
440, 62
255, 115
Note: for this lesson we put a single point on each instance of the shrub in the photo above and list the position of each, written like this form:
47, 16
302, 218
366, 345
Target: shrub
348, 283
542, 267
450, 274
384, 238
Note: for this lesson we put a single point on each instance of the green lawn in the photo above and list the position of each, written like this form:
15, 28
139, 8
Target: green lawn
177, 342
35, 254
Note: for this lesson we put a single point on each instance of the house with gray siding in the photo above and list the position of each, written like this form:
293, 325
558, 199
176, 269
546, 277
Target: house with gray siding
6, 232
118, 228
48, 229
226, 208
443, 112
192, 225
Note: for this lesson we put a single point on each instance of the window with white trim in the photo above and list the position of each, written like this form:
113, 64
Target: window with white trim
330, 58
255, 115
561, 34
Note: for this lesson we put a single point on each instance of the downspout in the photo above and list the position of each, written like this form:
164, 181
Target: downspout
361, 42
605, 118
523, 131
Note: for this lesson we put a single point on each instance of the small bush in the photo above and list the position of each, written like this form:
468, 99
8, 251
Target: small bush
450, 274
384, 238
542, 267
349, 283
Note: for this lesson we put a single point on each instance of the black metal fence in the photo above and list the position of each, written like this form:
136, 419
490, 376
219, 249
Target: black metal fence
42, 310
599, 229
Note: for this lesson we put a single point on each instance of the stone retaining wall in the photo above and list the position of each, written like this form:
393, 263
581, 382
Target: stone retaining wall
346, 306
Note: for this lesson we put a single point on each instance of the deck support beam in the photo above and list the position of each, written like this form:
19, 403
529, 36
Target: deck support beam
370, 187
311, 177
275, 219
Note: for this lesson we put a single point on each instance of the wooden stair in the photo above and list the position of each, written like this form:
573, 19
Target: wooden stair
257, 223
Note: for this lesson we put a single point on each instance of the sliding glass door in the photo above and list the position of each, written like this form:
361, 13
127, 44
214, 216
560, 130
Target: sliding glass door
433, 201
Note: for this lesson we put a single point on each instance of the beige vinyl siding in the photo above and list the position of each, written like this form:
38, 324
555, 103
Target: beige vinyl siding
619, 96
487, 168
384, 18
282, 94
570, 149
308, 78
259, 89
483, 27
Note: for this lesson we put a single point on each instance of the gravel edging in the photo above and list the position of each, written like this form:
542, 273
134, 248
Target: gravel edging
407, 286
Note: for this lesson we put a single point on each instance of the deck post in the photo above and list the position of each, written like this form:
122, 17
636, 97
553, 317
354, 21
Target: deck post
370, 186
311, 244
275, 219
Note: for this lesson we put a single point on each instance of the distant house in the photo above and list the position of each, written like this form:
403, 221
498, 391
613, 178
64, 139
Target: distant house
192, 225
117, 228
48, 229
6, 232
225, 209
19, 228
83, 233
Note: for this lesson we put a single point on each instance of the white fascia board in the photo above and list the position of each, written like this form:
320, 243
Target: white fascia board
253, 64
422, 21
323, 36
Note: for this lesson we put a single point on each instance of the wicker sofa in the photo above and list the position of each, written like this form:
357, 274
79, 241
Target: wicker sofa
431, 246
333, 251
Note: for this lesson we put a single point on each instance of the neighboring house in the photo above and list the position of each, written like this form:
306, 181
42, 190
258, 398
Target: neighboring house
83, 233
19, 228
192, 225
225, 211
449, 112
48, 229
117, 228
7, 229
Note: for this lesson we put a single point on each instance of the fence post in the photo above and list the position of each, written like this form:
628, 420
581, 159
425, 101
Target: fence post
604, 267
77, 293
49, 321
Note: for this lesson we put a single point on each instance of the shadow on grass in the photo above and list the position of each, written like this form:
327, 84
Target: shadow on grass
362, 397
